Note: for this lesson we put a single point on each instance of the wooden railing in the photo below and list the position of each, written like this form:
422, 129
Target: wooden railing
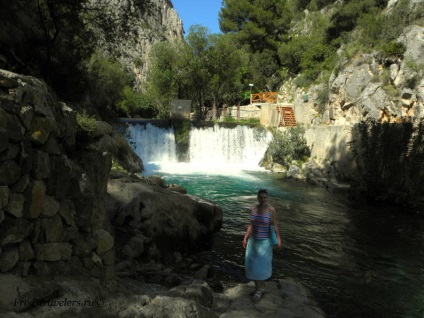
265, 97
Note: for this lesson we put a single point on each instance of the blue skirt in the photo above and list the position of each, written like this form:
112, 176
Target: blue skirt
258, 259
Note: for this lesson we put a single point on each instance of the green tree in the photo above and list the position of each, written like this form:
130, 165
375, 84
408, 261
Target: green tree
223, 61
259, 24
198, 43
136, 104
166, 76
107, 81
345, 19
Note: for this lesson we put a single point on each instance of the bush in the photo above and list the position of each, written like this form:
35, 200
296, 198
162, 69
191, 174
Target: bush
86, 124
181, 131
288, 145
107, 81
136, 104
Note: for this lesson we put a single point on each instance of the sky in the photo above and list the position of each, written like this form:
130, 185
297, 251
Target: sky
203, 12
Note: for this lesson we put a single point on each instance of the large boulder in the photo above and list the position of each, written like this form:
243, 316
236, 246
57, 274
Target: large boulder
168, 220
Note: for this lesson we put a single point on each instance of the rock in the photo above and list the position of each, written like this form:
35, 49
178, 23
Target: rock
50, 206
126, 156
102, 128
168, 307
35, 196
156, 181
15, 131
197, 291
11, 153
294, 172
414, 43
83, 245
8, 258
14, 230
26, 252
9, 172
135, 246
104, 241
4, 196
67, 214
53, 251
15, 206
173, 221
41, 165
283, 299
53, 229
202, 273
278, 168
40, 130
177, 188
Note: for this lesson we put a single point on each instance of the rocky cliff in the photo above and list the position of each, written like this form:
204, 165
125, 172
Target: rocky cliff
364, 86
138, 25
367, 85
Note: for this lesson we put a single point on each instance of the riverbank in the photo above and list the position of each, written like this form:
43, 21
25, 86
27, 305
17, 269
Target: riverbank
125, 297
149, 280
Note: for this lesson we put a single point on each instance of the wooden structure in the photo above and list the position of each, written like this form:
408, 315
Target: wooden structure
180, 108
286, 116
265, 97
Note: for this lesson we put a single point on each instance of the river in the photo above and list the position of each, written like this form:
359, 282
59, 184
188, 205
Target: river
357, 260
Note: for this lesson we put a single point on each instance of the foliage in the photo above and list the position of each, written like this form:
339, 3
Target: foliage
107, 81
242, 121
258, 24
390, 159
288, 145
206, 69
54, 39
47, 39
345, 19
165, 76
86, 124
393, 49
182, 131
136, 104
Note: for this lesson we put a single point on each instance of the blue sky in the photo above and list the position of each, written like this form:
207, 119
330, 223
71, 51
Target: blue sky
204, 12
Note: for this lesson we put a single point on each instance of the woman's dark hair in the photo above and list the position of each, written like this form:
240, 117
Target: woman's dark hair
263, 191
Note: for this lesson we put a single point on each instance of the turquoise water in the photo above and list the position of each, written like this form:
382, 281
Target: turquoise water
357, 261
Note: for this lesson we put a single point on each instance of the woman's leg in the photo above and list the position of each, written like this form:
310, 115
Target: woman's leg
259, 284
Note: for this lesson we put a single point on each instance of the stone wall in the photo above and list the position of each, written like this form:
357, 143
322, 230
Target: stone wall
331, 143
52, 184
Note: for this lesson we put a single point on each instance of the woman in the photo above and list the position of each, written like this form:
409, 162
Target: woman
258, 261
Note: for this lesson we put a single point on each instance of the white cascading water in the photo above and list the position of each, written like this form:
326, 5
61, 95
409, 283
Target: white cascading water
240, 147
212, 149
153, 144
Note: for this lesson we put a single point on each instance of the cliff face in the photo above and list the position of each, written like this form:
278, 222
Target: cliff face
138, 27
367, 85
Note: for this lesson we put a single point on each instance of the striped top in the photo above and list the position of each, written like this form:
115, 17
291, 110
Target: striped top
260, 224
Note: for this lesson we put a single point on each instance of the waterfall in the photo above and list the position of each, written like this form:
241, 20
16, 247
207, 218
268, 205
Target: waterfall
152, 144
241, 146
210, 148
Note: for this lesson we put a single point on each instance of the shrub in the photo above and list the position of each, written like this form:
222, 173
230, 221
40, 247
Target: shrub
107, 81
135, 103
288, 145
181, 131
86, 124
